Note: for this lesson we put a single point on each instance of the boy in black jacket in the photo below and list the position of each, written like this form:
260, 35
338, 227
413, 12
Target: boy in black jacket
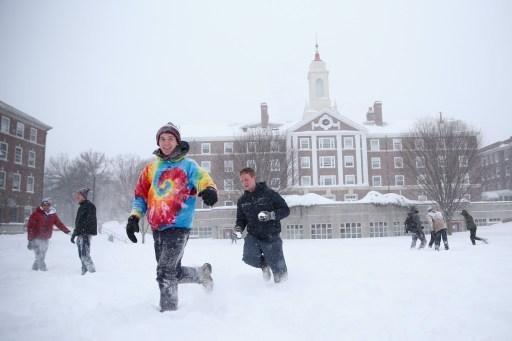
471, 227
260, 209
85, 227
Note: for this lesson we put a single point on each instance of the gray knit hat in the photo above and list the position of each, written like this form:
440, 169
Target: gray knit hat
169, 127
84, 192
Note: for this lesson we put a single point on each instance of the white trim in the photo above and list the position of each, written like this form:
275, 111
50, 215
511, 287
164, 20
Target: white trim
359, 171
364, 160
334, 114
339, 153
314, 162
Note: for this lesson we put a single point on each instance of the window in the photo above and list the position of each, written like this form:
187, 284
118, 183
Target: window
18, 155
466, 180
348, 161
3, 175
321, 231
20, 129
419, 144
228, 185
305, 162
422, 197
348, 142
31, 158
350, 197
275, 183
251, 164
398, 229
305, 180
16, 182
229, 203
350, 179
420, 162
442, 161
350, 230
228, 166
374, 145
397, 144
481, 221
399, 162
3, 151
30, 184
327, 161
5, 126
27, 211
252, 147
463, 161
201, 232
376, 180
207, 165
421, 179
274, 146
205, 148
467, 197
378, 229
295, 231
275, 165
399, 180
33, 135
494, 221
304, 143
228, 147
375, 162
327, 180
507, 170
326, 143
441, 144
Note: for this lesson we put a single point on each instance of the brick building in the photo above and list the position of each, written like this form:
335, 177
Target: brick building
496, 165
22, 156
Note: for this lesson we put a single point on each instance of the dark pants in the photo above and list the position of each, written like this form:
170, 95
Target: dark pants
432, 238
473, 237
169, 248
261, 253
83, 243
418, 235
40, 246
442, 233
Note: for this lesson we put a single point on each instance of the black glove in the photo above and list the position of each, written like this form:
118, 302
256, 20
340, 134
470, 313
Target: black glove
30, 245
73, 236
209, 196
131, 227
266, 216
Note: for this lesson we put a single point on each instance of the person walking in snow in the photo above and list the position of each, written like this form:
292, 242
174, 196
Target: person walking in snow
471, 227
260, 210
39, 231
413, 225
436, 220
85, 227
166, 193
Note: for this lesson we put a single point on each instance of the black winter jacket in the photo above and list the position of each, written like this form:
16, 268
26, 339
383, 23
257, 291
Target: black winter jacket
252, 203
413, 222
470, 222
85, 222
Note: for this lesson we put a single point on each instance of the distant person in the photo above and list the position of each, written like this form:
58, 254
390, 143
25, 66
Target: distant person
438, 224
260, 210
85, 227
471, 227
39, 231
413, 225
166, 192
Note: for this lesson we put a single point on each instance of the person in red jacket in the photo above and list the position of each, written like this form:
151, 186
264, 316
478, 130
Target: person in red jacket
40, 228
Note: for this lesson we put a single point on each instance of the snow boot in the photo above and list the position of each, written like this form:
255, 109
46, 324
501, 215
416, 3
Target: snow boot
35, 266
485, 241
205, 275
280, 277
266, 273
42, 267
422, 244
437, 248
446, 246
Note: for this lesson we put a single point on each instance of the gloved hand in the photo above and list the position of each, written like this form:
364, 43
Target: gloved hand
209, 196
237, 231
266, 216
73, 236
131, 227
30, 245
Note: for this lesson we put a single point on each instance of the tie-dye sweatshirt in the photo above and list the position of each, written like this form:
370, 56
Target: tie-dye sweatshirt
167, 191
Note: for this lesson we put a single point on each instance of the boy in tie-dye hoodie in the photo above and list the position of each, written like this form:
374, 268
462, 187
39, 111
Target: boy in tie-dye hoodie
166, 192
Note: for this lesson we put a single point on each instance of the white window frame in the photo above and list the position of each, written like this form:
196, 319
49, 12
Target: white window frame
351, 230
463, 161
422, 197
419, 144
251, 164
206, 148
227, 147
274, 146
20, 129
6, 150
305, 162
275, 165
16, 178
346, 144
374, 178
30, 184
374, 145
303, 181
322, 145
442, 161
304, 143
420, 162
399, 180
398, 162
374, 160
18, 155
3, 179
33, 135
31, 160
321, 231
207, 165
5, 125
327, 161
252, 147
327, 178
228, 166
275, 183
350, 179
229, 185
295, 231
397, 144
348, 161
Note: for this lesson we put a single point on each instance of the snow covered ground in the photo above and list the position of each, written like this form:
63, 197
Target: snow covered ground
358, 289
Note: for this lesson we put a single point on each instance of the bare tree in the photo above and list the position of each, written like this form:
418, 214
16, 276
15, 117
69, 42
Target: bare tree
442, 155
94, 165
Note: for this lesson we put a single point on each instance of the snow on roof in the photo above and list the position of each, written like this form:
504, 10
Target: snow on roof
397, 127
309, 199
377, 198
495, 195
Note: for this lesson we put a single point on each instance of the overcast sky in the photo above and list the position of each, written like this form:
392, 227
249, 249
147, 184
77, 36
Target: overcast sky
107, 74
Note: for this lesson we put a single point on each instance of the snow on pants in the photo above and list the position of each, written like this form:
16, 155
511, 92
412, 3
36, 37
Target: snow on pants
442, 233
169, 248
260, 253
40, 246
418, 235
83, 242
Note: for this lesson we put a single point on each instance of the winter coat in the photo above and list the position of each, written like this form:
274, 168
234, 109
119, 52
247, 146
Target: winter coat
436, 220
252, 203
40, 224
470, 223
85, 222
413, 222
167, 189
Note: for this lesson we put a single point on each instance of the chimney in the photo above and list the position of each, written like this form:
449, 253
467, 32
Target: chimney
370, 115
377, 109
264, 115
